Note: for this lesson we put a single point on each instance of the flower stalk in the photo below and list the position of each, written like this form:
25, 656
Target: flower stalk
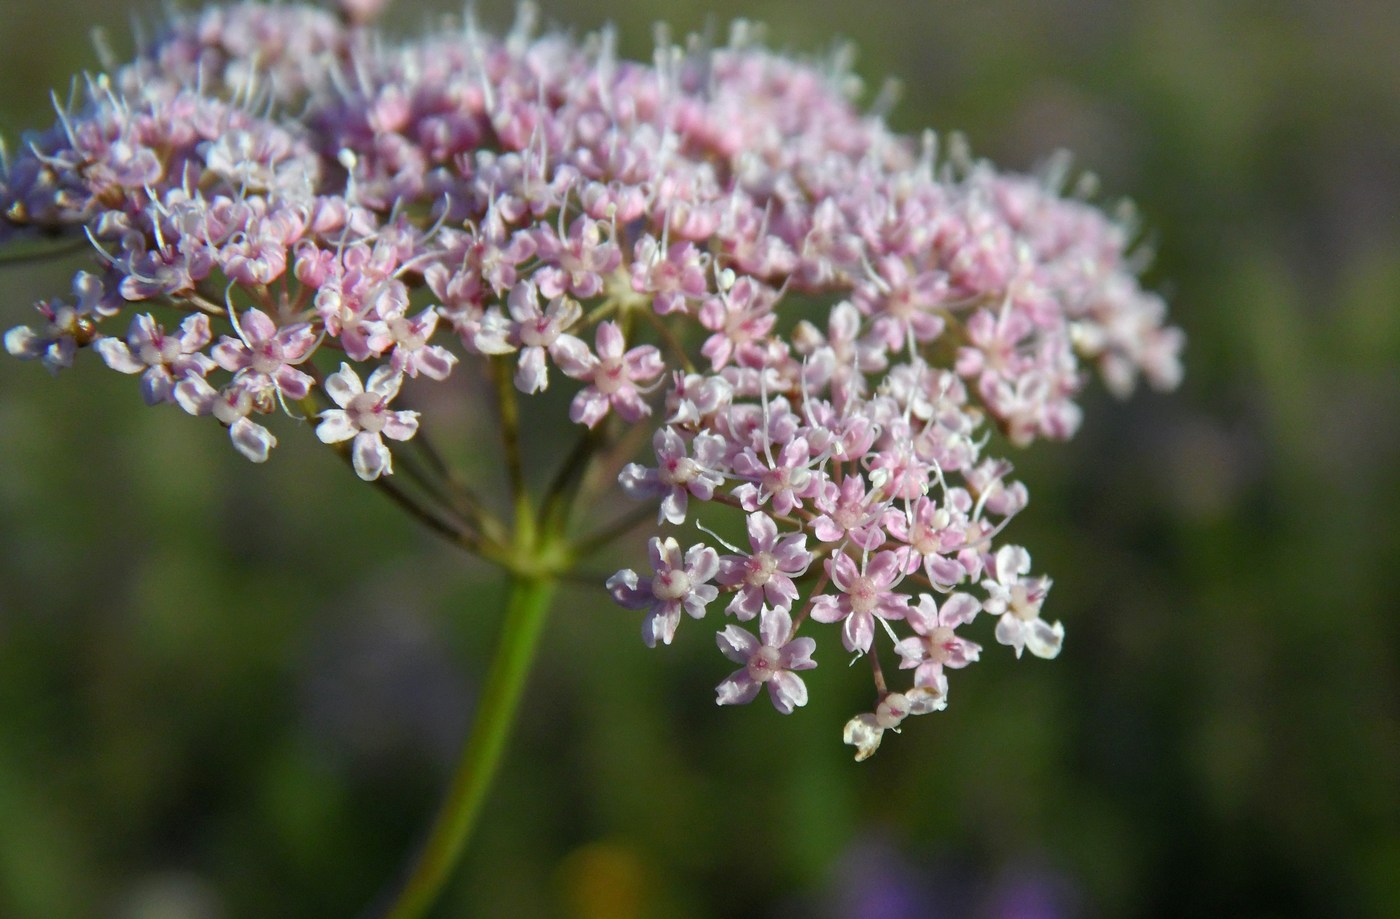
527, 605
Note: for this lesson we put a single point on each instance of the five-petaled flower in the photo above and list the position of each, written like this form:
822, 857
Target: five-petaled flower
765, 575
769, 659
865, 594
1017, 599
162, 359
364, 415
616, 376
677, 583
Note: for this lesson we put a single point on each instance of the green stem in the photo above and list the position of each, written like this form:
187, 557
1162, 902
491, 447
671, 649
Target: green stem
526, 606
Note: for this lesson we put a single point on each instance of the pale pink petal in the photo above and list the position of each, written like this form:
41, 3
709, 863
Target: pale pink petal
787, 691
858, 631
737, 689
384, 382
255, 325
532, 373
736, 644
1044, 640
118, 356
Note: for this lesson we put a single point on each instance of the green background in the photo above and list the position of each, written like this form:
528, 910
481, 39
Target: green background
229, 690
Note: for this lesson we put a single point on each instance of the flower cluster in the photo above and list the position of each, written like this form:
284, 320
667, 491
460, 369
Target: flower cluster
352, 212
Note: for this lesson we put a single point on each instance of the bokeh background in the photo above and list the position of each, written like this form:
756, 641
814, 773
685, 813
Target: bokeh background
229, 690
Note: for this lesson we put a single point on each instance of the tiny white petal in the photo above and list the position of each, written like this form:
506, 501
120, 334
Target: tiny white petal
344, 385
370, 457
863, 733
335, 426
251, 439
385, 383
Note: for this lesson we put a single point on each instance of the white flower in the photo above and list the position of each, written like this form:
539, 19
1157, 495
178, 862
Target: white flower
365, 416
1017, 599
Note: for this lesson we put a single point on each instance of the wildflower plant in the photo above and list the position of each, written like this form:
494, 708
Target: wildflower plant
828, 332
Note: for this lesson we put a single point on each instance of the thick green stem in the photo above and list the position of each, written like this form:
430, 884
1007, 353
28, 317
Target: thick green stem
526, 606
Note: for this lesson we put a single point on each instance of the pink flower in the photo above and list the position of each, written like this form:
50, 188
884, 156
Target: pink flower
616, 376
766, 574
576, 261
935, 646
865, 594
532, 331
677, 584
672, 277
269, 353
162, 360
769, 661
848, 513
364, 415
231, 406
677, 475
67, 327
412, 354
786, 480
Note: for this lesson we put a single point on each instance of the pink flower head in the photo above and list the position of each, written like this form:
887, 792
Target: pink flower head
769, 659
677, 584
365, 416
552, 199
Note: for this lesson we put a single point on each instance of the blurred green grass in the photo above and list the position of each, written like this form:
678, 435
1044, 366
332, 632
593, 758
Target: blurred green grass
229, 690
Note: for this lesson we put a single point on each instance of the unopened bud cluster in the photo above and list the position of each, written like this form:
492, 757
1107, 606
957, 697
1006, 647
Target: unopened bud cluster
828, 323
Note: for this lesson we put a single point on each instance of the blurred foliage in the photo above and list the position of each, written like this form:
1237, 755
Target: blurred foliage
231, 691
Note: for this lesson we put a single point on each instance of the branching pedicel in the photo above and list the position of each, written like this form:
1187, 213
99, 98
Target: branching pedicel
352, 211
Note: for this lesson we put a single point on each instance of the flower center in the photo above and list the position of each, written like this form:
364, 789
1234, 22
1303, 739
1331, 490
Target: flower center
940, 645
267, 356
863, 594
609, 377
1022, 604
538, 333
763, 664
405, 334
679, 471
670, 585
761, 568
366, 410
